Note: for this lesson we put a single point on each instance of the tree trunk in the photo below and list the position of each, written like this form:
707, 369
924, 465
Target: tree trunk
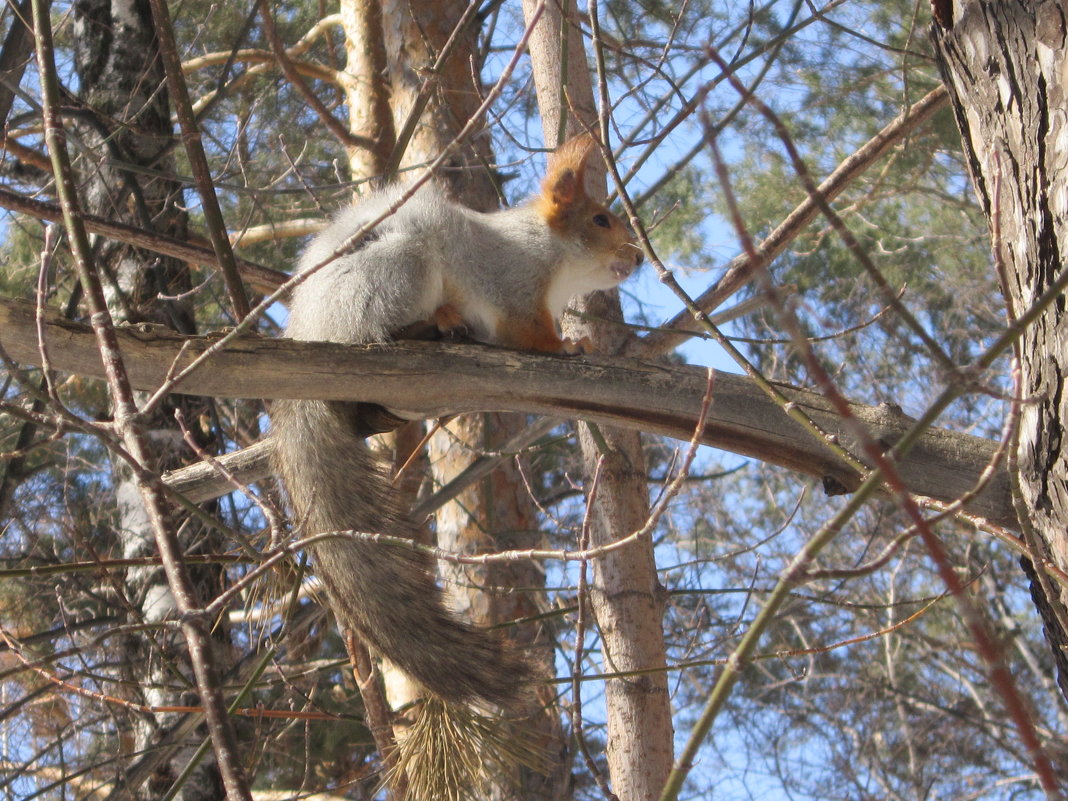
497, 513
127, 121
442, 99
365, 87
1004, 65
626, 595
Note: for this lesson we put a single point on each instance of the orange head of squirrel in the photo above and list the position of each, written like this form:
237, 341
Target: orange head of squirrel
575, 216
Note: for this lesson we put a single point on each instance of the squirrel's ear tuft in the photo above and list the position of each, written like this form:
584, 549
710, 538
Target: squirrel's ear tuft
563, 186
565, 176
571, 155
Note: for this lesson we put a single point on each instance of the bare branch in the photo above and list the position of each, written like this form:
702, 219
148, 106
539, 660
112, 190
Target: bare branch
450, 379
741, 267
262, 278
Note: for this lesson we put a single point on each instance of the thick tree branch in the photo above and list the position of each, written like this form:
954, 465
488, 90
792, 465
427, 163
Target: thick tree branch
434, 379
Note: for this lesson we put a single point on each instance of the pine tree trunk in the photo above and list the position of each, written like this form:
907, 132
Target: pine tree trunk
496, 513
127, 121
1004, 64
626, 594
365, 87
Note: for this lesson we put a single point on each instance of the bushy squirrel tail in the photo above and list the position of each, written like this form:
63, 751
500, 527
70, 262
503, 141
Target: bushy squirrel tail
385, 592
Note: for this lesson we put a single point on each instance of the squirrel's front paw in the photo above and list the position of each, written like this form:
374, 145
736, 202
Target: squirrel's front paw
573, 347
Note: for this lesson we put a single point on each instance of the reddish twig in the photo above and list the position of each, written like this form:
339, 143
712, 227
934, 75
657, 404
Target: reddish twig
128, 425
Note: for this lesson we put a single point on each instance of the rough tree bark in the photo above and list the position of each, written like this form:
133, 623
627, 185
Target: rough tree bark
126, 120
1005, 65
429, 104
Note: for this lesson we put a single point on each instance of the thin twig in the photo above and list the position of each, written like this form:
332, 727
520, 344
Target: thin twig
128, 425
198, 162
741, 268
580, 636
343, 134
261, 278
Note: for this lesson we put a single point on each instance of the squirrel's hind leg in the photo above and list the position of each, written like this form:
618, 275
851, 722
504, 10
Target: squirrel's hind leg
448, 319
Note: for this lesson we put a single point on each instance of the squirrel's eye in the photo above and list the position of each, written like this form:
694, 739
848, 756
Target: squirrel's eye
602, 220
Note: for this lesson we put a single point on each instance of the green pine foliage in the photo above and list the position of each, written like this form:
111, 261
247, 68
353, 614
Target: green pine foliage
827, 710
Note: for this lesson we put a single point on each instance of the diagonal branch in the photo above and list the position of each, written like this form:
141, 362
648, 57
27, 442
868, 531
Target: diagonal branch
742, 267
335, 126
198, 161
261, 278
128, 425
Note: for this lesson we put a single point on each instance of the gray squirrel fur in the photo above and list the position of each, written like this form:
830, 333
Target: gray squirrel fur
506, 277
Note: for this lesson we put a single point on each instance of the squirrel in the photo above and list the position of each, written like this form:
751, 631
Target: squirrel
505, 277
